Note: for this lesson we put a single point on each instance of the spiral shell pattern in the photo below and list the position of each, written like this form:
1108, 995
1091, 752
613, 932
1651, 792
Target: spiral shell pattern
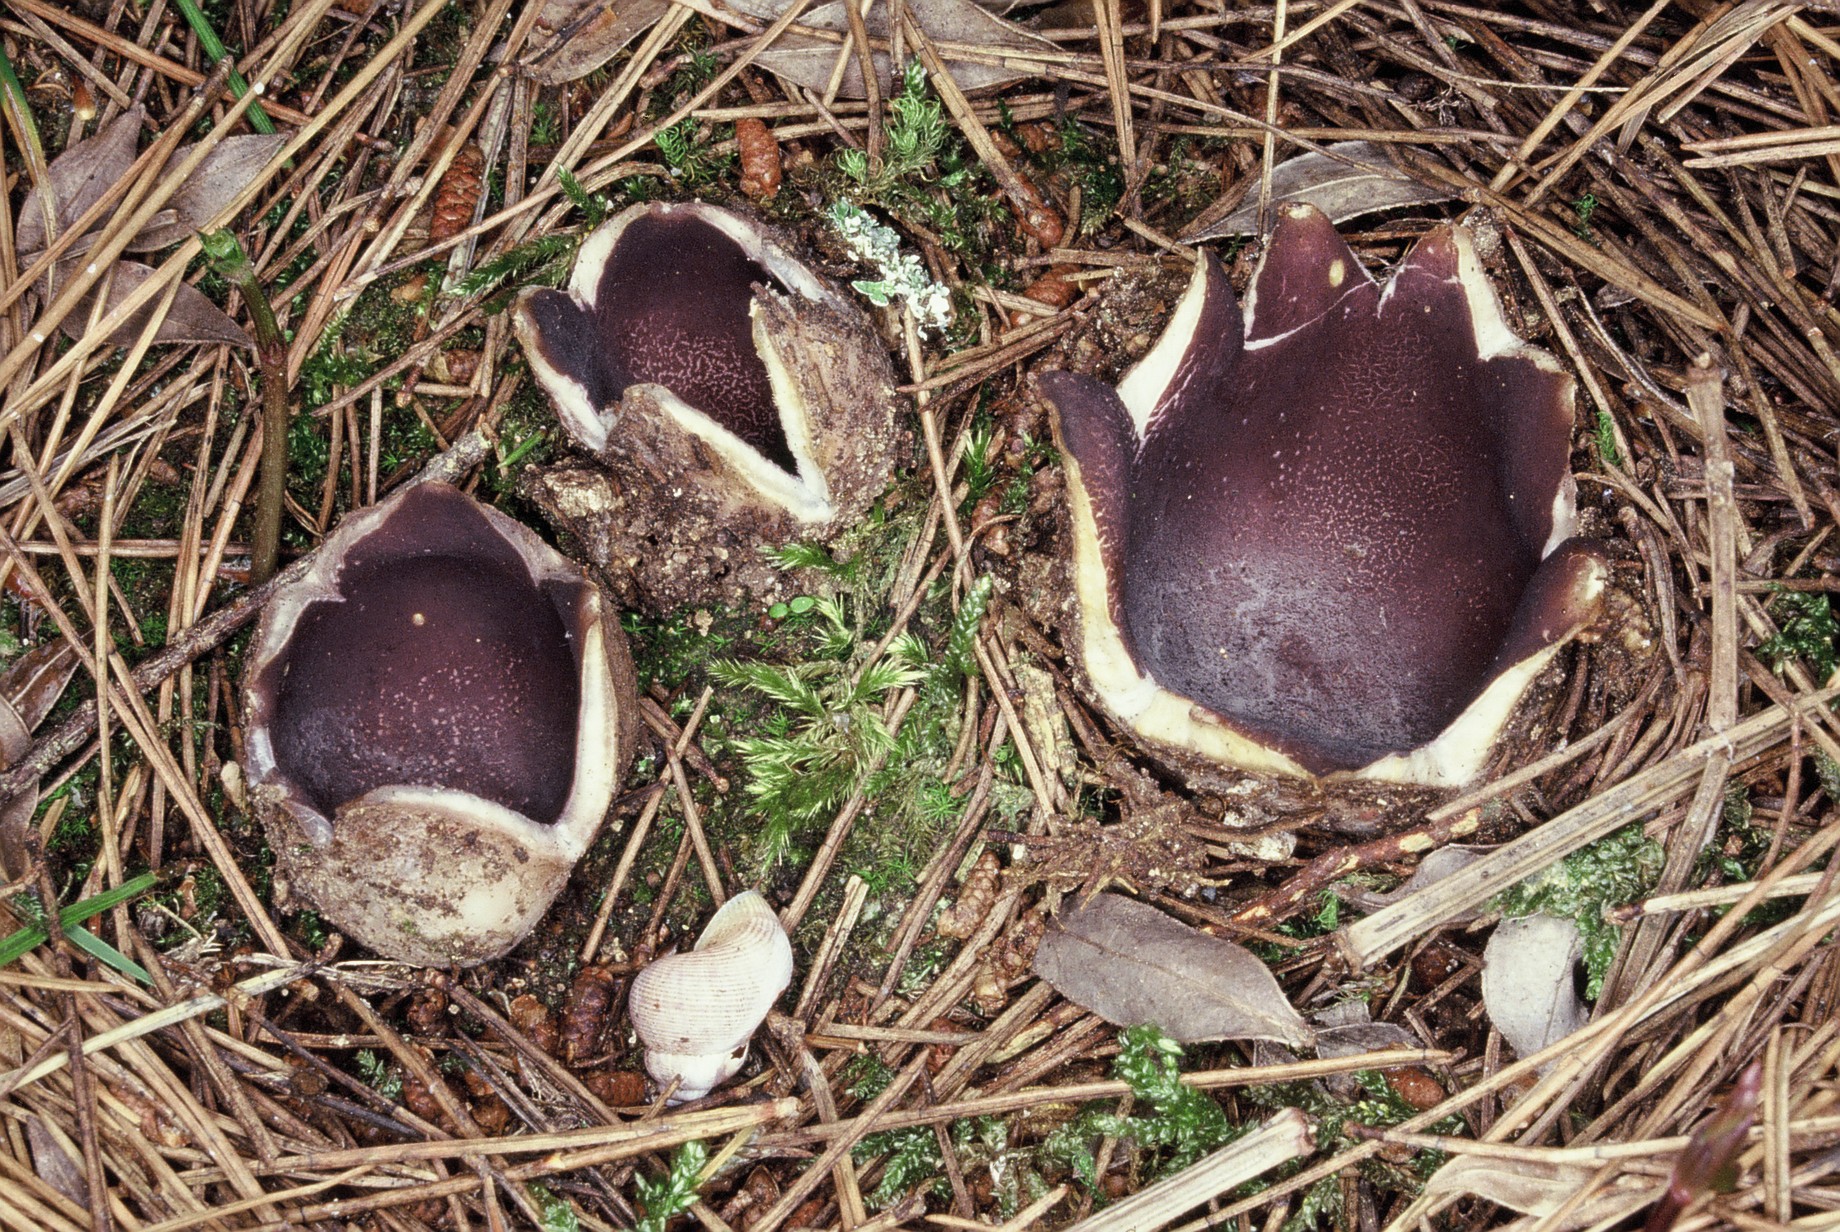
696, 1011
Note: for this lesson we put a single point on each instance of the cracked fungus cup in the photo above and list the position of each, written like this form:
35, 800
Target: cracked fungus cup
1332, 535
439, 714
730, 398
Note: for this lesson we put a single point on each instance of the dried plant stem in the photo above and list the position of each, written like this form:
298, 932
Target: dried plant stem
230, 261
1413, 916
1279, 1140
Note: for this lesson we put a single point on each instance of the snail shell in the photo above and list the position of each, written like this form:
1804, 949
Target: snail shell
696, 1011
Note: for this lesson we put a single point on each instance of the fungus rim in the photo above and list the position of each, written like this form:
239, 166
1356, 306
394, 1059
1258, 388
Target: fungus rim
596, 719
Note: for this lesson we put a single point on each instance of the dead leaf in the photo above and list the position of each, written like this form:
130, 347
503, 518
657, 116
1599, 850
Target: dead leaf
1527, 1186
1355, 1038
1131, 964
231, 166
79, 176
1529, 972
31, 686
55, 1165
1347, 1029
574, 37
807, 61
1340, 190
192, 318
83, 173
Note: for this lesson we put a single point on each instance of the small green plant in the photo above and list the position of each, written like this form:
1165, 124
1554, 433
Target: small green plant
378, 1075
1613, 871
675, 1192
916, 133
69, 922
1807, 631
542, 262
960, 653
911, 1156
1090, 162
1606, 440
1584, 207
824, 742
690, 153
557, 1214
811, 556
594, 207
1181, 1126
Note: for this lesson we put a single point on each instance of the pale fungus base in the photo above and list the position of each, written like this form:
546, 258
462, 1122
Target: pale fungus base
1333, 537
731, 398
439, 715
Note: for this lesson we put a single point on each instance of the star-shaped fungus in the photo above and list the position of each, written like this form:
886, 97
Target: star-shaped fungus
1332, 536
732, 399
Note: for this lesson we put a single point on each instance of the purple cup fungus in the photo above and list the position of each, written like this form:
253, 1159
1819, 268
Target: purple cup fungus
439, 713
732, 399
1334, 537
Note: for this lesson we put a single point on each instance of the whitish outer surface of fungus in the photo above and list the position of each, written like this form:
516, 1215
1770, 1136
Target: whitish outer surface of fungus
439, 714
732, 398
1333, 535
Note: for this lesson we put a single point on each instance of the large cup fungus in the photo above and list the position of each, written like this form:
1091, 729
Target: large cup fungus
733, 399
439, 714
1333, 537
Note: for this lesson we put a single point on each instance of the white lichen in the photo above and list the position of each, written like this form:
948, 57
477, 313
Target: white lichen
901, 275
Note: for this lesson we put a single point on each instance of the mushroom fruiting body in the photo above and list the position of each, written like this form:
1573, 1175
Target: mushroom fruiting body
1334, 536
732, 398
439, 713
696, 1011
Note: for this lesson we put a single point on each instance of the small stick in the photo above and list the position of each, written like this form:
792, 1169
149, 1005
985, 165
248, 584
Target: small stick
229, 260
1283, 1138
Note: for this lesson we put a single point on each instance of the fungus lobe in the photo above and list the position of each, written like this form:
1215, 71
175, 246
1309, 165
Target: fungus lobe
1331, 535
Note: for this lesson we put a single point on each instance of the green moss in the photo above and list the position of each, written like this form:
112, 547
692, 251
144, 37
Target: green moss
1613, 871
1806, 631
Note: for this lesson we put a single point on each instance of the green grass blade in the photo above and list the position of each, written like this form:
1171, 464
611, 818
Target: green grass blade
96, 947
16, 945
214, 51
82, 910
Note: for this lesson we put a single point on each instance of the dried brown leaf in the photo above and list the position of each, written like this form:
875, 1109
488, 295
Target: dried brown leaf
575, 37
79, 176
230, 166
1527, 1186
1431, 870
54, 1164
192, 318
808, 62
1332, 185
1130, 964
